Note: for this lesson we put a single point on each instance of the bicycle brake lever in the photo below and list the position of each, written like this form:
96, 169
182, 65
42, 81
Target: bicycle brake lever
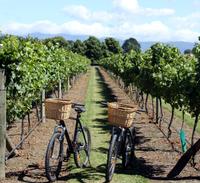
141, 110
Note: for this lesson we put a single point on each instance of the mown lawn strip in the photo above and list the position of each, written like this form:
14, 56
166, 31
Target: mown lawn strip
96, 119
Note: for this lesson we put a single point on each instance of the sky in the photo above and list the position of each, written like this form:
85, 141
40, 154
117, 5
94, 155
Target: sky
145, 20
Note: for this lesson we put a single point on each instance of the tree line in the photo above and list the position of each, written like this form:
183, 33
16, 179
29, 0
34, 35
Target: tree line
95, 49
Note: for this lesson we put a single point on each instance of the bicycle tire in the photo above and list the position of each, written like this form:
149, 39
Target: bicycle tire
111, 158
82, 148
55, 144
128, 151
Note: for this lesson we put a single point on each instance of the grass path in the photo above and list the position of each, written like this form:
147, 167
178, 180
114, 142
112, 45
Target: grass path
96, 119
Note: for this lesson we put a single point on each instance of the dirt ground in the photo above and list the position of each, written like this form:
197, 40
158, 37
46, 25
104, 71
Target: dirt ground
155, 153
28, 166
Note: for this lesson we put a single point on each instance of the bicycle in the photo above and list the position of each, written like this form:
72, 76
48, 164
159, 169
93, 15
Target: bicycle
122, 143
80, 146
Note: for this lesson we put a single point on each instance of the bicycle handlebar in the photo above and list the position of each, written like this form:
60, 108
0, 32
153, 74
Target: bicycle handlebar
77, 105
104, 103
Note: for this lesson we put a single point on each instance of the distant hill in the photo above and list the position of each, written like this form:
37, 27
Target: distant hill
181, 45
66, 36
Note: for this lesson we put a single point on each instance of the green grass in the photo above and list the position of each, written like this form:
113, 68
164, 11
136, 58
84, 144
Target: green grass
96, 119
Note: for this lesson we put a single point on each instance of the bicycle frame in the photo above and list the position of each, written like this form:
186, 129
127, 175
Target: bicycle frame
64, 132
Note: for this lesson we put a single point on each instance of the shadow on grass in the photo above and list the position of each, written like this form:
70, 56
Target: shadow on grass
36, 174
107, 95
103, 124
87, 174
106, 91
140, 167
102, 150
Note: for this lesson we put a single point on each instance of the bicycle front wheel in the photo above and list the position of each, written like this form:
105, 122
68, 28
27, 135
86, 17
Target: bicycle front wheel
54, 157
112, 158
128, 150
82, 147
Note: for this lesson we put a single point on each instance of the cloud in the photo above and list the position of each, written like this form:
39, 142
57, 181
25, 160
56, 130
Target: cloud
83, 13
48, 27
186, 35
157, 12
187, 22
78, 11
153, 31
43, 26
123, 10
78, 28
127, 5
133, 7
126, 20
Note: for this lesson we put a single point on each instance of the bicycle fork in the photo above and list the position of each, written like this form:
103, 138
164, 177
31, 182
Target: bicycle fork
120, 132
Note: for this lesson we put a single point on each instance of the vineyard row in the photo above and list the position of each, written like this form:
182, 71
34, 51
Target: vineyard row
30, 67
164, 73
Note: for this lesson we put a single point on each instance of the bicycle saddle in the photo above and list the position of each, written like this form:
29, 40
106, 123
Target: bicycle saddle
80, 109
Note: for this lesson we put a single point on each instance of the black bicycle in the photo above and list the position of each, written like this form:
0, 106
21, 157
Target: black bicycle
122, 143
80, 146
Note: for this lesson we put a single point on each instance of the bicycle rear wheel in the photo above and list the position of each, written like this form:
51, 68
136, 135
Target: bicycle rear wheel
83, 147
112, 158
54, 157
128, 150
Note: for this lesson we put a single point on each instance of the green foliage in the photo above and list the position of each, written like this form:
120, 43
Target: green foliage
58, 41
194, 92
163, 72
113, 45
188, 51
131, 44
32, 66
93, 49
79, 47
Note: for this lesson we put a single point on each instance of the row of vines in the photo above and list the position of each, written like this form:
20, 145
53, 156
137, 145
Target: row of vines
31, 66
164, 73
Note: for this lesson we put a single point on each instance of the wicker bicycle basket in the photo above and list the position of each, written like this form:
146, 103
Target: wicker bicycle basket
121, 114
57, 108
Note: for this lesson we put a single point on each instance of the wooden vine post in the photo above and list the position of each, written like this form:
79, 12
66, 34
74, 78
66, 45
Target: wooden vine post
68, 84
43, 119
2, 123
157, 110
60, 89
